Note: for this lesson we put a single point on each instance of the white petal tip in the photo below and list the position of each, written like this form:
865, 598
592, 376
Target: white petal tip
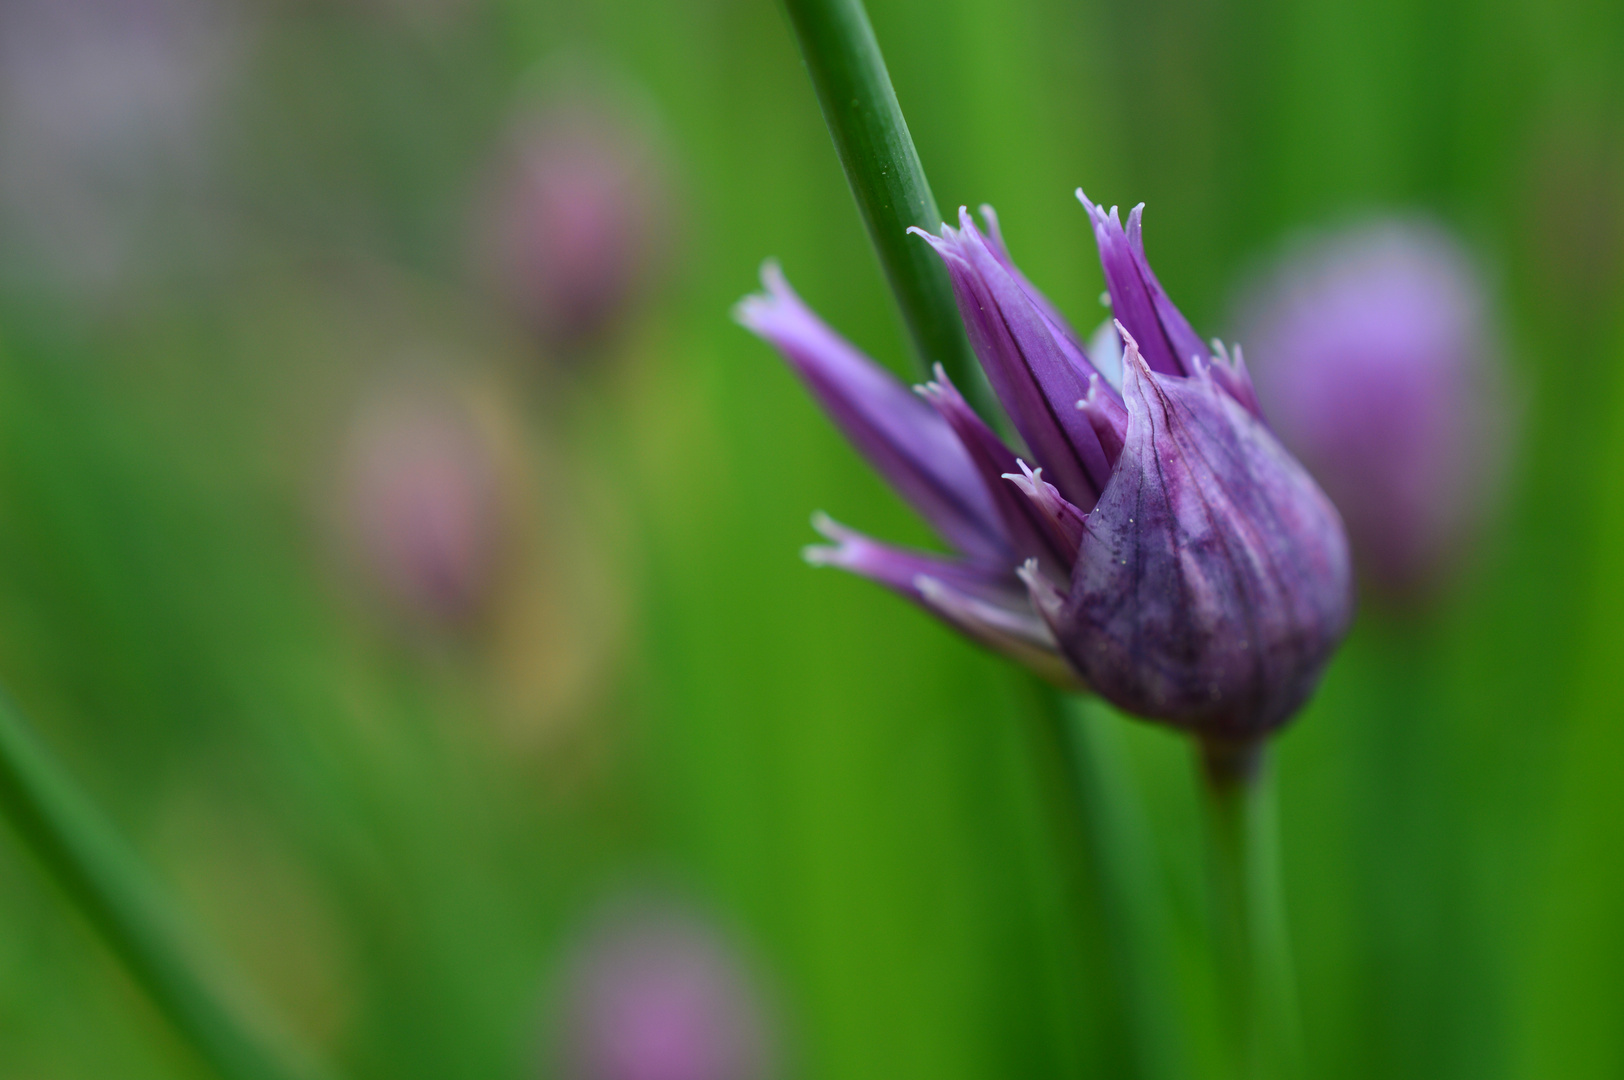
824, 525
929, 588
820, 555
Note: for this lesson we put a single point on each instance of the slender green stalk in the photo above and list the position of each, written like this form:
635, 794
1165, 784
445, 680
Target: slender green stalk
101, 876
1136, 904
1249, 913
886, 178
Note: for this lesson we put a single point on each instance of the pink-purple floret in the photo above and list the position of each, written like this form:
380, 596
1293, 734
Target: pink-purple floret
1153, 541
1378, 365
656, 994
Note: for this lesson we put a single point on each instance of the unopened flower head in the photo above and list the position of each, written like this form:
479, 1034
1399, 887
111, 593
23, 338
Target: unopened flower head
421, 503
1152, 542
656, 994
109, 117
1378, 369
574, 226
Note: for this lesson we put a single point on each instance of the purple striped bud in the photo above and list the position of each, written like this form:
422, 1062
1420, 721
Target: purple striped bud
1154, 542
1212, 581
1378, 369
655, 994
573, 226
420, 502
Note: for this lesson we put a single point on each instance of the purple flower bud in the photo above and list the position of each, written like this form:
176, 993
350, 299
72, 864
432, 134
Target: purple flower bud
1212, 580
654, 994
1378, 371
108, 112
420, 504
1155, 543
573, 225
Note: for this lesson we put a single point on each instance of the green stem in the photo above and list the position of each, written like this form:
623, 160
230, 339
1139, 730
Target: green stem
886, 178
100, 875
1254, 956
1135, 901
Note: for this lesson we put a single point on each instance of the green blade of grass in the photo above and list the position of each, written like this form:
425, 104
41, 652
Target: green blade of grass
103, 878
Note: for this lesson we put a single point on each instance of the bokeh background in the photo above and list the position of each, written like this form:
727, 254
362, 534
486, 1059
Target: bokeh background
233, 235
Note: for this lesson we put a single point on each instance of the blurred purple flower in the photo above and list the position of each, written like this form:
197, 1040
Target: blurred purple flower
106, 112
656, 994
1155, 543
1378, 369
420, 502
572, 230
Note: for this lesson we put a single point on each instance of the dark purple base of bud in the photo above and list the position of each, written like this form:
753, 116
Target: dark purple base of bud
1228, 763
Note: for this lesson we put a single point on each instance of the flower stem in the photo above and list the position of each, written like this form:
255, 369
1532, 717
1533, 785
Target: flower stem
1135, 901
99, 874
1249, 918
886, 178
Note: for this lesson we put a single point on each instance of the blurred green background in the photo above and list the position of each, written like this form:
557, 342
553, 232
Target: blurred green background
388, 832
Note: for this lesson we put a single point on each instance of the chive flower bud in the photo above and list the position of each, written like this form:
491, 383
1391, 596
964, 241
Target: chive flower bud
109, 111
1378, 368
657, 994
420, 502
1152, 542
572, 226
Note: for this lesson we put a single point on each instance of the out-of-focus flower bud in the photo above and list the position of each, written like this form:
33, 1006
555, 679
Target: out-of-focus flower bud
653, 993
574, 225
420, 502
1375, 364
107, 108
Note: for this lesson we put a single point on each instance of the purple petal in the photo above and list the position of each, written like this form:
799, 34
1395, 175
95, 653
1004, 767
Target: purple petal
987, 604
1035, 380
1047, 599
1063, 521
1019, 634
1030, 534
1064, 335
1137, 300
1108, 416
1213, 581
1230, 373
905, 439
897, 567
1180, 336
